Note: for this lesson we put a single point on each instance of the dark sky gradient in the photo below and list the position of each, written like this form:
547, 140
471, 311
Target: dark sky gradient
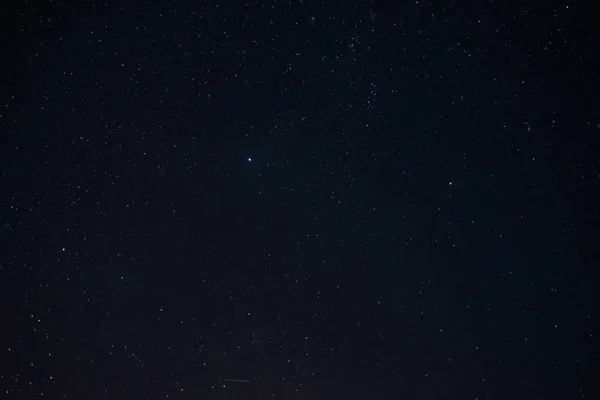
332, 202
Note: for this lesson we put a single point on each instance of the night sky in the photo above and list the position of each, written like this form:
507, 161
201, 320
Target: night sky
321, 201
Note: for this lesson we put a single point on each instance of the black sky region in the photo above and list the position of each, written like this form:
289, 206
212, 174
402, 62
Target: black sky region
324, 201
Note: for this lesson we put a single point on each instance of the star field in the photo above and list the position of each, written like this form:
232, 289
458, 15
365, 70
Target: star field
288, 200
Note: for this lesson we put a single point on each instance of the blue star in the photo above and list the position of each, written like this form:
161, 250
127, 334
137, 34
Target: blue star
249, 159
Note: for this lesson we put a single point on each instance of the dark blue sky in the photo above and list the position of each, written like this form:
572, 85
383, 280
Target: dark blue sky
328, 202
